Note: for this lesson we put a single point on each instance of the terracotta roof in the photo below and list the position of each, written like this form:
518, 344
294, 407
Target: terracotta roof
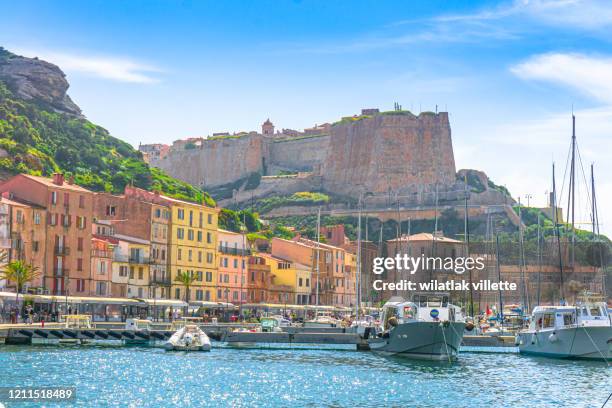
49, 183
274, 258
18, 203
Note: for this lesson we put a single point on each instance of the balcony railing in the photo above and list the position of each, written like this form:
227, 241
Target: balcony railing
131, 259
58, 272
99, 253
234, 251
160, 279
61, 251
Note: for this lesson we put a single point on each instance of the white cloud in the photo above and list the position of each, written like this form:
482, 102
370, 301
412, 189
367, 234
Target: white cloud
591, 75
111, 68
573, 14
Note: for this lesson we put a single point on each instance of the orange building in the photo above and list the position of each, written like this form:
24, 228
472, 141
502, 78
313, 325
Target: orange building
258, 279
69, 212
26, 223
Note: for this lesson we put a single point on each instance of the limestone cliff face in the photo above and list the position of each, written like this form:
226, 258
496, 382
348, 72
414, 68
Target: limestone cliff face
37, 80
389, 152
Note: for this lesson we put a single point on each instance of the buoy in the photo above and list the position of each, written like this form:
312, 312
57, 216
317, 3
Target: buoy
553, 337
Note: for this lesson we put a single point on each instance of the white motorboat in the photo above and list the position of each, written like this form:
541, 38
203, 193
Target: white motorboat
322, 319
427, 328
189, 338
583, 331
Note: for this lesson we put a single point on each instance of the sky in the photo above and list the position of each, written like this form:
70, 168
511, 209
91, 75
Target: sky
509, 73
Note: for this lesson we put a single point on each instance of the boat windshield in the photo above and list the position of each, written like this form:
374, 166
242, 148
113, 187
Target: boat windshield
431, 300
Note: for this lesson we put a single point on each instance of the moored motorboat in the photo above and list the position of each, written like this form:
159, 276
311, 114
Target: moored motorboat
583, 331
428, 328
189, 338
322, 319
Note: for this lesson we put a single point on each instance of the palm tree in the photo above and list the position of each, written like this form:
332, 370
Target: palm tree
3, 257
20, 273
186, 279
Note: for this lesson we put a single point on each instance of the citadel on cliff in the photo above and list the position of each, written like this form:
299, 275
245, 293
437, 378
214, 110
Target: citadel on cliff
388, 154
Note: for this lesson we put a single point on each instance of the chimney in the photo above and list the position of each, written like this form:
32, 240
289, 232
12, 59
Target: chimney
58, 178
71, 180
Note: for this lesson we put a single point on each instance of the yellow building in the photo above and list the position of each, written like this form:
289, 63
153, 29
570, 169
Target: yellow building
289, 277
193, 248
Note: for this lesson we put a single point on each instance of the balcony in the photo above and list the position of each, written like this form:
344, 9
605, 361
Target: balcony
140, 260
160, 280
61, 251
99, 253
234, 251
59, 272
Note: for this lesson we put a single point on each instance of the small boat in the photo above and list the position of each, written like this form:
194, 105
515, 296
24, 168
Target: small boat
583, 331
426, 328
137, 326
76, 322
322, 319
189, 338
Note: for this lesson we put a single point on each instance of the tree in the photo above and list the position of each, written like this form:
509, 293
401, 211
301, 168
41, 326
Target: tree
20, 273
186, 279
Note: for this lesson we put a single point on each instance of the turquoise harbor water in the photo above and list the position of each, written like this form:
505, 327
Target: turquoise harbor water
152, 377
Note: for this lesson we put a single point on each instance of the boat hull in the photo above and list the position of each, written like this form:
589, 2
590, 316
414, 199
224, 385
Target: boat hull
584, 342
421, 340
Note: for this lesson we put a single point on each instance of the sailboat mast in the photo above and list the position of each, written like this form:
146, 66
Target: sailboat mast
595, 222
501, 301
318, 246
522, 261
539, 262
571, 198
466, 232
357, 300
557, 232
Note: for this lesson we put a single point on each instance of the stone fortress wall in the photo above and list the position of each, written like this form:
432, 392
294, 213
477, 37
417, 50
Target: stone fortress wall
389, 154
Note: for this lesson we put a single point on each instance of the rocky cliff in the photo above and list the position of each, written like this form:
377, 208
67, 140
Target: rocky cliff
35, 80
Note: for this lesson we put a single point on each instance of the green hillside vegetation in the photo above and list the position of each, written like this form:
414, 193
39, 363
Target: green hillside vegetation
305, 198
39, 141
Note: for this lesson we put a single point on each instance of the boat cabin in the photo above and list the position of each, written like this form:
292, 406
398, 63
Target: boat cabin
77, 321
137, 324
426, 307
556, 317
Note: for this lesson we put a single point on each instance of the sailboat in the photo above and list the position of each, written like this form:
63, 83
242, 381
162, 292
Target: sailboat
583, 330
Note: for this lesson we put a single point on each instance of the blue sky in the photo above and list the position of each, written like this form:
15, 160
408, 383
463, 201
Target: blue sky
508, 72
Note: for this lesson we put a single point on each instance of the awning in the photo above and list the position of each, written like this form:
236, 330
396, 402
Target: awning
164, 302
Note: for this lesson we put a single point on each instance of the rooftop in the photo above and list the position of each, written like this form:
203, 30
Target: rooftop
425, 236
49, 183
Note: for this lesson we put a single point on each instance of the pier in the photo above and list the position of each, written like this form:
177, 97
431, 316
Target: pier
224, 332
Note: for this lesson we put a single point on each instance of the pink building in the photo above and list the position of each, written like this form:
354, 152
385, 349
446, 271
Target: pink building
233, 267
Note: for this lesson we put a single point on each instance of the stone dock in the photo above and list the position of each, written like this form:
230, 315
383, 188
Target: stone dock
224, 332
